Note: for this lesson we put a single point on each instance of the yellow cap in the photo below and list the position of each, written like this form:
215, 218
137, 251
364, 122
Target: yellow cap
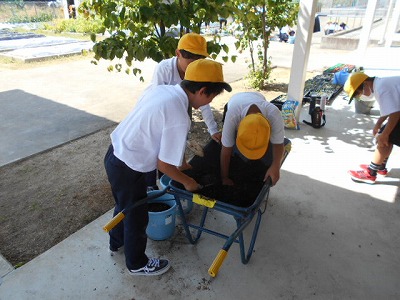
353, 83
253, 136
206, 70
193, 43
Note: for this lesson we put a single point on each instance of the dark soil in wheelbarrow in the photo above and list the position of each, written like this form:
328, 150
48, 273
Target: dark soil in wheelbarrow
247, 177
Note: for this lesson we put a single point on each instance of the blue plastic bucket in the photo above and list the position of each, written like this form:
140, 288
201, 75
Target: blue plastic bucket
162, 223
187, 205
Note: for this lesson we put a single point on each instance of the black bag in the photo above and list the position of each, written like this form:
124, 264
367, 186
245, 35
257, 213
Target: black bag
318, 118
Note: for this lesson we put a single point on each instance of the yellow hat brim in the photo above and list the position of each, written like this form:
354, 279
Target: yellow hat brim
353, 83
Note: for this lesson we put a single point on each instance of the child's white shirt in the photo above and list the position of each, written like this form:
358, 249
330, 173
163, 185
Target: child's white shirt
166, 73
238, 105
156, 128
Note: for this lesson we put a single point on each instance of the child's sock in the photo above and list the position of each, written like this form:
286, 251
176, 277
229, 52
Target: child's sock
383, 165
373, 169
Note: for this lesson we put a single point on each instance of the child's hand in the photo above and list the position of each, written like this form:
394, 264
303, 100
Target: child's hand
227, 181
192, 185
382, 140
217, 137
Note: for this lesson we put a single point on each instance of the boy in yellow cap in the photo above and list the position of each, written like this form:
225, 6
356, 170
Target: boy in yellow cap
255, 128
171, 71
153, 136
387, 92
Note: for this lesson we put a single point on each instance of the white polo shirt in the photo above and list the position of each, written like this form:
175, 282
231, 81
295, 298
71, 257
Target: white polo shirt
166, 73
156, 128
387, 93
238, 106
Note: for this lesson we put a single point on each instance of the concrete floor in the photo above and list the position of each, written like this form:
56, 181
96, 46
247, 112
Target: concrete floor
323, 236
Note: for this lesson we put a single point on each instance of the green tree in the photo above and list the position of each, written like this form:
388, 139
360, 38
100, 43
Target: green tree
256, 20
142, 29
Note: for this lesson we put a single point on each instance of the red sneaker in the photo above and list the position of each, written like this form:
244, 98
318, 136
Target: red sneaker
380, 172
362, 176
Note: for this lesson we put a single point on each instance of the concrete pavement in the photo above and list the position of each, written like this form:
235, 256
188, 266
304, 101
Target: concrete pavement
323, 236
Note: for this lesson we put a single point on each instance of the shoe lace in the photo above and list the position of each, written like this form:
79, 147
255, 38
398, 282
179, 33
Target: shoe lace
153, 263
363, 174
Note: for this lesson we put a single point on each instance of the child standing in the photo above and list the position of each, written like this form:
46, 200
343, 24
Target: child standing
387, 92
153, 136
171, 71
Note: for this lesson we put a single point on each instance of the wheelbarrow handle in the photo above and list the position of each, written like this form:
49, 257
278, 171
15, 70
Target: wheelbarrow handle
219, 259
217, 263
121, 215
113, 222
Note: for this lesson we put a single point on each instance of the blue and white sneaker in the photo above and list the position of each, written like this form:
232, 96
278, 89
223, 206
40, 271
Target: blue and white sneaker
154, 266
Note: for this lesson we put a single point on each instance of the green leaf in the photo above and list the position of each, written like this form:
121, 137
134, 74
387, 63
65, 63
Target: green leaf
225, 48
122, 13
119, 53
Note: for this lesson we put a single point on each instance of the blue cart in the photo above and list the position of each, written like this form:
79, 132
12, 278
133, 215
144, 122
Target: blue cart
243, 204
242, 212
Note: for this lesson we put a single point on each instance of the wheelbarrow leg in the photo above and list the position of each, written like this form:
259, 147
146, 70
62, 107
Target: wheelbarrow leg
192, 240
246, 257
219, 259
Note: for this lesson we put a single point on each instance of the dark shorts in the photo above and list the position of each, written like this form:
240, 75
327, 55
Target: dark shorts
394, 137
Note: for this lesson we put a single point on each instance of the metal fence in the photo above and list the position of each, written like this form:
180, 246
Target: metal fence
24, 10
352, 17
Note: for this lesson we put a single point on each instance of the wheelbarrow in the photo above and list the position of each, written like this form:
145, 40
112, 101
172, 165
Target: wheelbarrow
246, 200
243, 203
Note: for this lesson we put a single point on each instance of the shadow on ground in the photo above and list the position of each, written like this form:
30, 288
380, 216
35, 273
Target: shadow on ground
31, 124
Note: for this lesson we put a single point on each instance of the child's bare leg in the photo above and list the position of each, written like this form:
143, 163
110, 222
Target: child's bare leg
381, 153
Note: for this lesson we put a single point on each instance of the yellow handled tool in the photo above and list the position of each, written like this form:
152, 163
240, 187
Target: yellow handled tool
113, 222
219, 259
214, 268
119, 217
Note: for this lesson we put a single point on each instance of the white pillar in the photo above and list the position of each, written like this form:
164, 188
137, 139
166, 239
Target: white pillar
77, 4
65, 9
387, 18
301, 51
393, 24
366, 31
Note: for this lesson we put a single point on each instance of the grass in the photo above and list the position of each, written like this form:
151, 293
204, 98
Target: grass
75, 35
10, 12
9, 63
